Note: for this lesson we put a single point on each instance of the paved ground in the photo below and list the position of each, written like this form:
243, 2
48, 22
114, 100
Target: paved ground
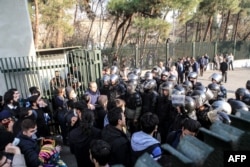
236, 79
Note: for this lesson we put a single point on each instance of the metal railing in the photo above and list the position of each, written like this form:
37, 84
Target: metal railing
148, 56
76, 69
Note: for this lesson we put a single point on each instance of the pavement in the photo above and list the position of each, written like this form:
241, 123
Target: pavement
236, 79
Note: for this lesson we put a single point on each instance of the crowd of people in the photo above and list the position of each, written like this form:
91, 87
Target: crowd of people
117, 120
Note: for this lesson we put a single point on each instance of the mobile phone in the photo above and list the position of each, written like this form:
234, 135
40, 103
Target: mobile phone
16, 141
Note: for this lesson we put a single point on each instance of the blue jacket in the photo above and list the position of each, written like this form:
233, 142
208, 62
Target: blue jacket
30, 150
142, 142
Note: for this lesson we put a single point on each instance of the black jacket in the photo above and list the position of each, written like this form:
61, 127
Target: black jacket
79, 145
120, 145
100, 113
30, 150
223, 66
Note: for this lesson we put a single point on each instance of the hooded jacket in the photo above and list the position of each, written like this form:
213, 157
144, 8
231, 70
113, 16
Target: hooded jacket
142, 142
120, 145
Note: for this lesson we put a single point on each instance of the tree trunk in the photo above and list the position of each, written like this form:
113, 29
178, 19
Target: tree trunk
124, 34
91, 17
209, 24
75, 14
197, 31
114, 43
226, 26
186, 35
126, 30
101, 25
59, 32
36, 27
200, 32
106, 39
236, 26
246, 36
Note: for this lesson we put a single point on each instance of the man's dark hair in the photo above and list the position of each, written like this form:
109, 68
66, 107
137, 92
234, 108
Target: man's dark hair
87, 121
100, 151
34, 90
148, 122
28, 124
191, 125
8, 96
33, 99
114, 115
80, 105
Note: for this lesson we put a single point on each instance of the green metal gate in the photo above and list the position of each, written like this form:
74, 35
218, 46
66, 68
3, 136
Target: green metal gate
24, 72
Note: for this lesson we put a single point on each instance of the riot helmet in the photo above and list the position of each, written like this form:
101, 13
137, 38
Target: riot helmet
200, 87
131, 86
132, 76
192, 75
114, 70
106, 80
187, 85
240, 93
164, 75
150, 85
114, 78
148, 75
180, 89
215, 89
215, 77
199, 97
222, 106
156, 70
168, 85
189, 104
209, 94
166, 88
137, 71
173, 78
248, 85
237, 105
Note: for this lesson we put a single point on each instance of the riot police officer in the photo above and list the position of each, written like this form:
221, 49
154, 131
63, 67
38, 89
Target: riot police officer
164, 78
165, 110
192, 77
116, 90
149, 97
133, 106
217, 78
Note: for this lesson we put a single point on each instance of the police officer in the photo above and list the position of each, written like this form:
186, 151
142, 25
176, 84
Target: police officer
149, 97
192, 77
217, 78
105, 84
165, 110
164, 78
116, 90
133, 106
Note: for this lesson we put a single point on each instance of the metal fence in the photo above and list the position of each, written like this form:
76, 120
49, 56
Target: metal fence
76, 68
148, 56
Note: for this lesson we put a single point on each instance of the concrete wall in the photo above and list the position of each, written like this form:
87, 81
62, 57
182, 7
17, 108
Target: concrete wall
244, 63
16, 34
